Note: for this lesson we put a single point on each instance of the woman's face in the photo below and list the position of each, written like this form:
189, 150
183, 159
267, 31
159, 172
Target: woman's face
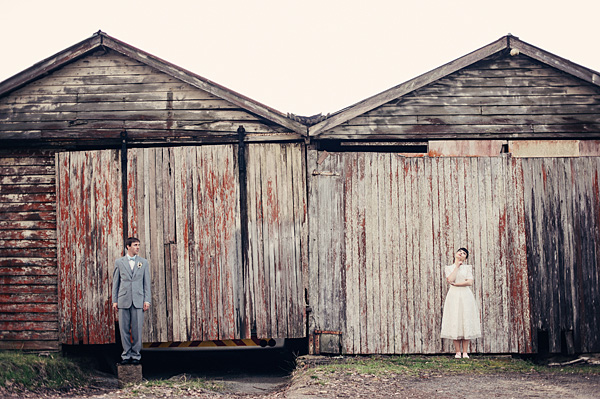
461, 255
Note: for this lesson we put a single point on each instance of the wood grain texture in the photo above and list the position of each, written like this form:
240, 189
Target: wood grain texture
562, 247
399, 222
28, 245
496, 97
97, 96
278, 238
89, 240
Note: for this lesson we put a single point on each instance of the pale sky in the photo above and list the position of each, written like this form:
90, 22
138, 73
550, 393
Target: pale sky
304, 57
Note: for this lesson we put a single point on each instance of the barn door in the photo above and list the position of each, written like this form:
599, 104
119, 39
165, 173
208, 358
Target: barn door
183, 203
382, 228
90, 231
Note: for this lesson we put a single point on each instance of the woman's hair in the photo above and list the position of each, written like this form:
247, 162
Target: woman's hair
464, 249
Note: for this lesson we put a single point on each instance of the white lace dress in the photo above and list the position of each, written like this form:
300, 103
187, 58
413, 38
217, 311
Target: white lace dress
460, 319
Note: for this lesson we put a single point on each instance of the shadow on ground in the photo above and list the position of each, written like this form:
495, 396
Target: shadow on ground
247, 371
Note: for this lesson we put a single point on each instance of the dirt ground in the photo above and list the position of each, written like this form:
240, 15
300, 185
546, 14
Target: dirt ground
308, 381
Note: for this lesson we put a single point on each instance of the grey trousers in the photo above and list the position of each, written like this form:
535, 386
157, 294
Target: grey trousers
131, 319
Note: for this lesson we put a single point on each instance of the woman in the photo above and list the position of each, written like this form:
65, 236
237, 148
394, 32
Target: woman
460, 320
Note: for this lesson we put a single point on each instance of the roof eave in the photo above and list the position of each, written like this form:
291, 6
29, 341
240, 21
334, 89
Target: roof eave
407, 87
101, 39
204, 84
49, 64
586, 74
505, 42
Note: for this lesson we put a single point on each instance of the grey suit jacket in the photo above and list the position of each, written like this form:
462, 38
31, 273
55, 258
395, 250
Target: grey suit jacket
131, 287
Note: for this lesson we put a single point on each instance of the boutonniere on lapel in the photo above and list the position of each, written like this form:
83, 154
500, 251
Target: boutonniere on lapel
139, 265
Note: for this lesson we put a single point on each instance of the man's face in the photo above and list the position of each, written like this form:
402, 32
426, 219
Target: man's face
133, 249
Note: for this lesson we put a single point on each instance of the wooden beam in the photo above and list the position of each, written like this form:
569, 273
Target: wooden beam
555, 61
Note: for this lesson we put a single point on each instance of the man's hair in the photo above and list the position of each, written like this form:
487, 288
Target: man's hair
129, 242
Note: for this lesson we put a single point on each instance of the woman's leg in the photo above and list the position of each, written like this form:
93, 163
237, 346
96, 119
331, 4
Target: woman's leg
457, 346
465, 345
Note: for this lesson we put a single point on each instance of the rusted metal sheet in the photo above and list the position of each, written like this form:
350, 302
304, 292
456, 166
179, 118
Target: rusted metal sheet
277, 235
89, 240
28, 272
382, 229
562, 208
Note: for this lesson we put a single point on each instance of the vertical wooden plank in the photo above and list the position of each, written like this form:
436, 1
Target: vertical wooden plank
393, 264
435, 277
483, 253
351, 336
394, 261
403, 236
510, 252
92, 333
314, 238
371, 258
410, 191
281, 218
255, 262
444, 226
223, 287
62, 161
100, 170
300, 185
171, 246
117, 227
362, 260
159, 290
380, 232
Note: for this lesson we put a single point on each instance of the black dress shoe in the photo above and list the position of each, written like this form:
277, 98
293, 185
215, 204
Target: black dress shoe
125, 361
135, 361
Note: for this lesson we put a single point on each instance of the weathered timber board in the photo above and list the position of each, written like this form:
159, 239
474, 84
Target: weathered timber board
485, 99
88, 99
90, 239
388, 264
28, 270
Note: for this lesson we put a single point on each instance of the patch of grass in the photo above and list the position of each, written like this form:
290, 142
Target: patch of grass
21, 371
181, 384
428, 365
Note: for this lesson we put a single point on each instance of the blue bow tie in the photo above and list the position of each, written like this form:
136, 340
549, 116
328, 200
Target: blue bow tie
130, 258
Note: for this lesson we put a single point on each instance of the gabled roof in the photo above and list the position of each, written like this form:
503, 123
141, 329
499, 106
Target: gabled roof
504, 43
102, 40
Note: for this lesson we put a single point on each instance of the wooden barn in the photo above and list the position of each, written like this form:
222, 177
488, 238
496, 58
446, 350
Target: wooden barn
103, 141
497, 151
258, 224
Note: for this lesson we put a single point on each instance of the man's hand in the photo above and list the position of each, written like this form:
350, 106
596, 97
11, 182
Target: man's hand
115, 306
146, 306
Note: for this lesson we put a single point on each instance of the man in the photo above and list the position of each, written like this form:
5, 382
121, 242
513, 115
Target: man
131, 296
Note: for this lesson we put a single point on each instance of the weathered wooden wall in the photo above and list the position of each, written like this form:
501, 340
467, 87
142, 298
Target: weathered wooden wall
90, 238
97, 97
562, 205
184, 205
382, 227
278, 239
498, 97
28, 268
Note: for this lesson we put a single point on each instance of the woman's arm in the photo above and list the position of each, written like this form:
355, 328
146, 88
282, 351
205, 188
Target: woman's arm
452, 277
465, 283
